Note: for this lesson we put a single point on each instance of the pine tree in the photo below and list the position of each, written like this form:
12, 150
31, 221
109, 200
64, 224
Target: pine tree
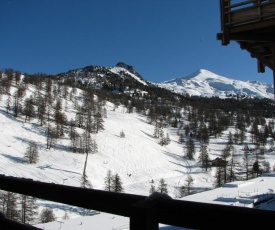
17, 102
72, 129
162, 188
87, 146
232, 164
256, 168
108, 181
152, 189
85, 183
188, 184
246, 162
116, 184
190, 149
29, 209
51, 136
12, 212
47, 215
8, 104
181, 138
79, 118
75, 142
31, 155
219, 177
162, 137
204, 158
28, 108
98, 122
182, 191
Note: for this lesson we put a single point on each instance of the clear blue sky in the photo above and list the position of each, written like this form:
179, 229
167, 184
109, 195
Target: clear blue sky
161, 39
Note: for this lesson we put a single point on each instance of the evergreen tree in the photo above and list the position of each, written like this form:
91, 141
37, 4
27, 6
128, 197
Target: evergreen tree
108, 181
73, 136
116, 184
204, 158
246, 162
85, 183
17, 103
12, 212
60, 120
156, 131
188, 184
204, 134
79, 118
51, 136
3, 201
162, 140
256, 168
190, 149
219, 177
29, 209
182, 191
8, 104
181, 138
162, 187
28, 108
72, 127
47, 215
86, 147
31, 155
255, 132
152, 189
232, 164
98, 122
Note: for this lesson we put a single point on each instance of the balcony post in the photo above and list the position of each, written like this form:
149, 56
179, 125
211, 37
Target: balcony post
144, 216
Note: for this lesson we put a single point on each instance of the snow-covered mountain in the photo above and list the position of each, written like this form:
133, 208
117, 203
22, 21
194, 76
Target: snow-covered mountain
201, 83
207, 84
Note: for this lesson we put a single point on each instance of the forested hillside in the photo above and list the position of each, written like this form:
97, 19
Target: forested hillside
227, 139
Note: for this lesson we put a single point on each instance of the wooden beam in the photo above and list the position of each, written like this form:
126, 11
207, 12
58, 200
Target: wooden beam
261, 67
248, 37
258, 25
273, 66
224, 8
255, 54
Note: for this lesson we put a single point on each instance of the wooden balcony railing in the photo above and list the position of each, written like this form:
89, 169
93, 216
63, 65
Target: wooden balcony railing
251, 24
145, 213
244, 16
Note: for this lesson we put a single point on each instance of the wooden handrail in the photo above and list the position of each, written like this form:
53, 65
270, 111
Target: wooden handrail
144, 212
245, 12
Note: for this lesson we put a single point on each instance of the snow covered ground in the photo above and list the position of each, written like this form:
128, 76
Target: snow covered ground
138, 159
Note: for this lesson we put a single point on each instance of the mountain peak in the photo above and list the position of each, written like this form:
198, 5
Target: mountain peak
208, 84
203, 74
128, 67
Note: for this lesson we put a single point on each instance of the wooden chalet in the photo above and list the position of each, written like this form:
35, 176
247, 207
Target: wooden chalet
251, 24
218, 162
